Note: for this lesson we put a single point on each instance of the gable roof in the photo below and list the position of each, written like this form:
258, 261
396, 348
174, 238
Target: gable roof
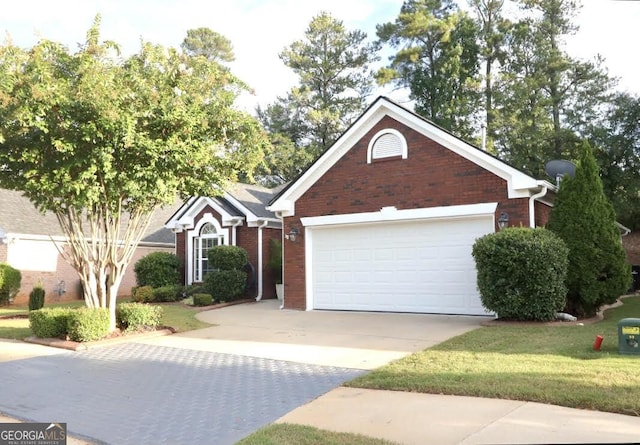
20, 218
240, 202
519, 184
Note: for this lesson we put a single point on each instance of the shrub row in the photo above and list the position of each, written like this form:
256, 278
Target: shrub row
163, 294
228, 279
85, 324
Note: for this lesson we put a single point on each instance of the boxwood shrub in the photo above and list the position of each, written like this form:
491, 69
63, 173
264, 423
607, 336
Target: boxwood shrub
227, 258
166, 294
157, 269
10, 279
142, 294
202, 299
88, 324
138, 316
226, 285
521, 273
50, 322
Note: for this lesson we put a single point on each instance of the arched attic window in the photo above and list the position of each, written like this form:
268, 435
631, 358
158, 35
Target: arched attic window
387, 144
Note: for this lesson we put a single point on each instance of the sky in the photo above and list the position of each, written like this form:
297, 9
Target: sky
260, 29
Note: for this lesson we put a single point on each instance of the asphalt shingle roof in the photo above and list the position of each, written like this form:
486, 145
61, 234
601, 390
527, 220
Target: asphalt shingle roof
18, 215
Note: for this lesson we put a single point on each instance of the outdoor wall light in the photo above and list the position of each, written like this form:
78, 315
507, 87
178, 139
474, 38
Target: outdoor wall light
503, 221
293, 234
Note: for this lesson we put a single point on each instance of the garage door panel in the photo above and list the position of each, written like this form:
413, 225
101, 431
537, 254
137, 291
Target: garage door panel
423, 266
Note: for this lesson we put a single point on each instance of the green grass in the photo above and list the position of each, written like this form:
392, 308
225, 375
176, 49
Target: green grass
548, 364
178, 316
289, 434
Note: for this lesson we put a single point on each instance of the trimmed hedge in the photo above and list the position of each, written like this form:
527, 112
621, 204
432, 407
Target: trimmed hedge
158, 269
137, 316
225, 285
88, 324
167, 294
522, 272
202, 299
227, 257
50, 322
142, 294
10, 279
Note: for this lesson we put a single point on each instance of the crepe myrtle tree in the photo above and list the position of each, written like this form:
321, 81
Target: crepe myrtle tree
101, 141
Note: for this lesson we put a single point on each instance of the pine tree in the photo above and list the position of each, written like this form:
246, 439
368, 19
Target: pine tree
584, 218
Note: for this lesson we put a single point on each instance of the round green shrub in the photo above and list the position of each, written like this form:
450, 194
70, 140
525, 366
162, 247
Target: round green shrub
166, 294
142, 294
225, 285
158, 269
202, 299
88, 324
521, 273
227, 258
10, 279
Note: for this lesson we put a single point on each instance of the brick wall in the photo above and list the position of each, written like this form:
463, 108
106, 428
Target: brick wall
432, 176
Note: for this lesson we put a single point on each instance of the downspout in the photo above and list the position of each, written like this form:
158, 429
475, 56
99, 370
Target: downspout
279, 215
236, 223
260, 227
532, 199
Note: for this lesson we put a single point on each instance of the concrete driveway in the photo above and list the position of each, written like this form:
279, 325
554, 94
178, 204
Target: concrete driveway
359, 340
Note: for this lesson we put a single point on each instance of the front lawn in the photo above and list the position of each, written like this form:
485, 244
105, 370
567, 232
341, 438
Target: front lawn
547, 364
178, 316
289, 434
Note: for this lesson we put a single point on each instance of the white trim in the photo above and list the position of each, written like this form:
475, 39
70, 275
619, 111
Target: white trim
308, 265
403, 143
519, 184
194, 233
187, 219
387, 214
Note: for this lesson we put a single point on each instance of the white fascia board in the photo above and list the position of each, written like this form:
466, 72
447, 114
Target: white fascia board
172, 224
286, 202
249, 215
259, 221
187, 220
519, 184
389, 214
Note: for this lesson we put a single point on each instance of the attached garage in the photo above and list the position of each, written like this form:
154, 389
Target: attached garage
397, 265
386, 218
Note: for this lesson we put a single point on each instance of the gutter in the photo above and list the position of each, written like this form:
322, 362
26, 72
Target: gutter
532, 200
260, 286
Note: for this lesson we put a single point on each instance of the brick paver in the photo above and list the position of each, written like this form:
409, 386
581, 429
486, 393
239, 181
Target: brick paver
146, 394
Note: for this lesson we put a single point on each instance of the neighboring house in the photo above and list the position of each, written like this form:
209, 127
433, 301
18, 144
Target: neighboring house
386, 218
238, 217
31, 238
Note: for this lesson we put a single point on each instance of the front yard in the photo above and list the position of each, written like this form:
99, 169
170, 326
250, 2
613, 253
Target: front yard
547, 364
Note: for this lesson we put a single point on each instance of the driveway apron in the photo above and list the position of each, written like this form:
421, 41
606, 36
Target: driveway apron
147, 394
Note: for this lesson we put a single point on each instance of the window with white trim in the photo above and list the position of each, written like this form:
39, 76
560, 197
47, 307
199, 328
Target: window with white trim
209, 237
387, 143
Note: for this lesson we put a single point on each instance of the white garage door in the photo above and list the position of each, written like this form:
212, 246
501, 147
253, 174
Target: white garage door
419, 266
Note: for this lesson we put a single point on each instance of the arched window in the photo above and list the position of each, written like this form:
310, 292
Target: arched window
209, 237
388, 143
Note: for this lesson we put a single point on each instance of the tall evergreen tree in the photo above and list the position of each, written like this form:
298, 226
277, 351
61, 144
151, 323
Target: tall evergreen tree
584, 218
332, 64
437, 60
546, 97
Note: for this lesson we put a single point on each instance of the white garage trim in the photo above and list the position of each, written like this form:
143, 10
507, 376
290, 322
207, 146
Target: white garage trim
392, 214
392, 218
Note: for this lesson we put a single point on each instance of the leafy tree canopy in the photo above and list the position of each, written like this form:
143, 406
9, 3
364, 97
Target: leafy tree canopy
102, 141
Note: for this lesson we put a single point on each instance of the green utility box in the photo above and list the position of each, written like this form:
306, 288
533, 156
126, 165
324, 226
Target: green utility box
629, 336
